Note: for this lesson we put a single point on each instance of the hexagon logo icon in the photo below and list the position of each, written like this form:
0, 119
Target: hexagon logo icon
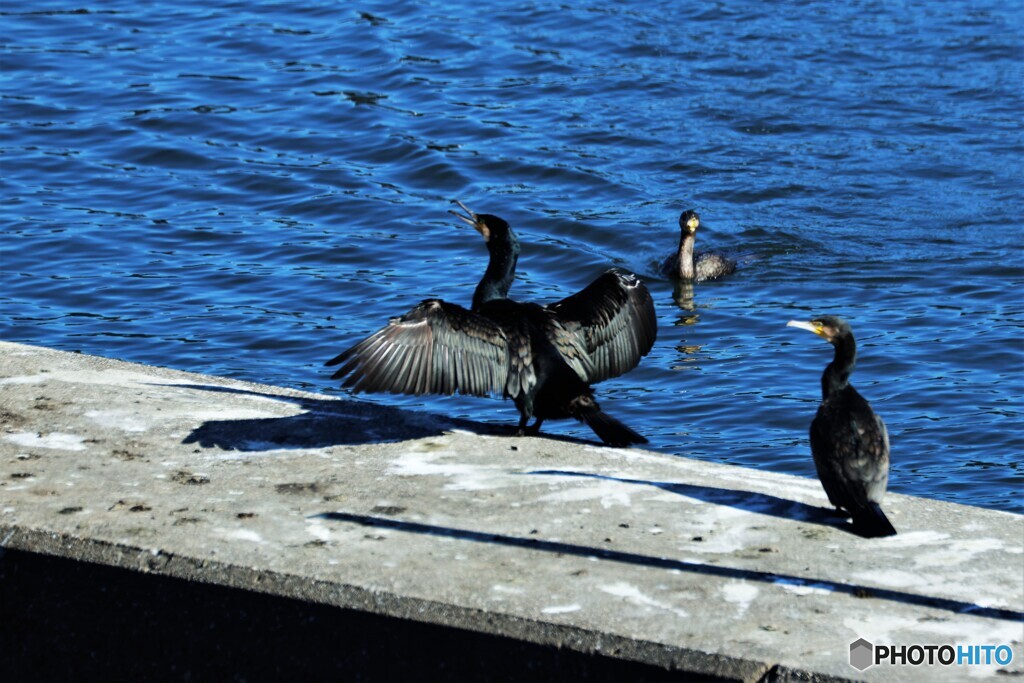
862, 654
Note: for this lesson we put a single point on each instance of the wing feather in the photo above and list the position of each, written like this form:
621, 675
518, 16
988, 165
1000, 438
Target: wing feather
614, 321
436, 348
850, 446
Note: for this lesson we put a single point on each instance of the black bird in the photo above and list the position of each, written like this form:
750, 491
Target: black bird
542, 357
849, 441
689, 267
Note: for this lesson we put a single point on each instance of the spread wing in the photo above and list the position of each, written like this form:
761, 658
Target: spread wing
436, 348
614, 319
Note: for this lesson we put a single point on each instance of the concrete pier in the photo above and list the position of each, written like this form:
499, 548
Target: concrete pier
404, 535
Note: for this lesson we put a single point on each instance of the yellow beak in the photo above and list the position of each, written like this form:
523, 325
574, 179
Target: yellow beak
809, 326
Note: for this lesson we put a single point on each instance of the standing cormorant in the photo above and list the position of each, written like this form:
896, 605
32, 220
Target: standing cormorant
688, 267
849, 441
542, 357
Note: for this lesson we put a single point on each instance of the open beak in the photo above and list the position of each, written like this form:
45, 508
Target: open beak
692, 224
810, 327
470, 217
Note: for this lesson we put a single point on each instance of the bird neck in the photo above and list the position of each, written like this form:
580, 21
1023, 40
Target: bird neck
837, 374
686, 267
501, 271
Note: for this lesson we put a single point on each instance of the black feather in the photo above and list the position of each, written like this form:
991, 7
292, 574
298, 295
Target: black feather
849, 442
544, 359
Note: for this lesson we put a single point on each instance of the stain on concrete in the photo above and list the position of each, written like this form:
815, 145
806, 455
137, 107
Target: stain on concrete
189, 478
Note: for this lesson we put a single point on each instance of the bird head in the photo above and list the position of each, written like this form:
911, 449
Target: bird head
828, 327
492, 228
689, 221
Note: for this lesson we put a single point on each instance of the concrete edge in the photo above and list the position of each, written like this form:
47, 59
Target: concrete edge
144, 560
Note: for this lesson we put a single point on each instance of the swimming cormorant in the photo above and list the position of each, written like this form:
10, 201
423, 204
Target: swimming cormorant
542, 357
688, 267
849, 441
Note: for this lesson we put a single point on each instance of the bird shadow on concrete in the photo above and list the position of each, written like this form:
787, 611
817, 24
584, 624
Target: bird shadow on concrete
329, 422
749, 501
629, 558
322, 423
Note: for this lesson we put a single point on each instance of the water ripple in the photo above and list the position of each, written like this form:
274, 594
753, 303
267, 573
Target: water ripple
244, 190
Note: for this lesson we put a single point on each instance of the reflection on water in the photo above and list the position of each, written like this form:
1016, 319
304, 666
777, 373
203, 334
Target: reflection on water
682, 294
246, 190
689, 355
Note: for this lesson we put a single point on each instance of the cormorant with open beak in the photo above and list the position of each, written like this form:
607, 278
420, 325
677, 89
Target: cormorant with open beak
542, 357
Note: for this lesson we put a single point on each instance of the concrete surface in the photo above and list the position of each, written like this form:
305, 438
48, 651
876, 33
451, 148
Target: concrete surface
694, 567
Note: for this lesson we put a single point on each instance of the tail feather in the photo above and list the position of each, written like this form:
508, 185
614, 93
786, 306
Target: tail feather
610, 430
871, 522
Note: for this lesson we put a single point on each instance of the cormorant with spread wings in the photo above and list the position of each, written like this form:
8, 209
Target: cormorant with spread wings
542, 357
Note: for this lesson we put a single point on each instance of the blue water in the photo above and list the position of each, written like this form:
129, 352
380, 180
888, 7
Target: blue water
245, 189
